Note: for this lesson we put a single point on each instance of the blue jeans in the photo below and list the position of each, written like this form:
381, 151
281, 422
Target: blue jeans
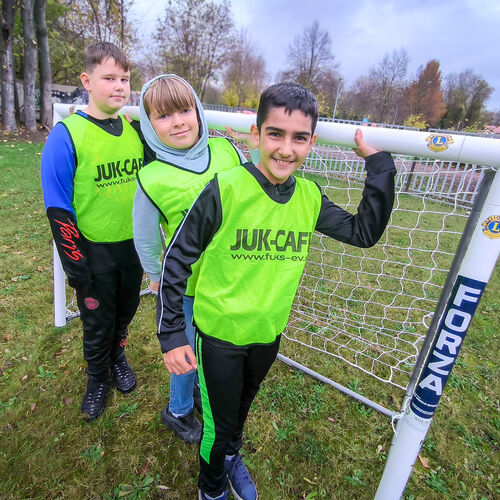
181, 386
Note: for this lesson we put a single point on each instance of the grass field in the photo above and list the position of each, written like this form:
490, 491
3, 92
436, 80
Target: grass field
303, 440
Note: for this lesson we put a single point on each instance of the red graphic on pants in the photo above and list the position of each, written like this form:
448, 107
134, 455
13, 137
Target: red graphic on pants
91, 303
123, 342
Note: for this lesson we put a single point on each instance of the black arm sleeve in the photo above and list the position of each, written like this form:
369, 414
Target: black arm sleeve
188, 243
70, 247
366, 227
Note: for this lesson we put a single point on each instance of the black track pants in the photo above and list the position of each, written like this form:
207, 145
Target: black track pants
106, 311
230, 377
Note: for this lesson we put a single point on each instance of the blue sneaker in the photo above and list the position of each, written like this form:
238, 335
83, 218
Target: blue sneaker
240, 481
203, 496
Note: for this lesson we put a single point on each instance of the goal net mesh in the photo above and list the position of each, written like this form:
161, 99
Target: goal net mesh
370, 308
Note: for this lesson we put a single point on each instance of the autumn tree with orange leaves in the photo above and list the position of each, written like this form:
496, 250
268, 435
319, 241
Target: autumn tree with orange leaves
424, 96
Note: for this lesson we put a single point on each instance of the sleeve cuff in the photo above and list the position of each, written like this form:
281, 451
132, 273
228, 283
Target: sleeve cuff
154, 277
379, 162
169, 341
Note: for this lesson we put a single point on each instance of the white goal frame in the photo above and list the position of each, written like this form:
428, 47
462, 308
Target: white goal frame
456, 171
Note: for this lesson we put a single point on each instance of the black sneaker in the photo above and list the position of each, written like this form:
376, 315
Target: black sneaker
124, 376
197, 397
187, 427
94, 399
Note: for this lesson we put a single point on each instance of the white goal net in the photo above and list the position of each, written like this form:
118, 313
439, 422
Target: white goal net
365, 312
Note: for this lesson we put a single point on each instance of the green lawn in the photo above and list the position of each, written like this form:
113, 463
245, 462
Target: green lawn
304, 440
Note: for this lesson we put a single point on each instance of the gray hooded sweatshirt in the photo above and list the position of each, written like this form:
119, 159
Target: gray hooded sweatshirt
146, 217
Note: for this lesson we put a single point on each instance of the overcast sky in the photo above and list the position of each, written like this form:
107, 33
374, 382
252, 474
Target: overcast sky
460, 34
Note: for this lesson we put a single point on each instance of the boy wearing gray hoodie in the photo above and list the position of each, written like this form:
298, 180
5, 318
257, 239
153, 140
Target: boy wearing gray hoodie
174, 127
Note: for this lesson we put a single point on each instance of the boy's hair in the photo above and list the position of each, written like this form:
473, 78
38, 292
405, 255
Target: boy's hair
98, 52
168, 95
288, 95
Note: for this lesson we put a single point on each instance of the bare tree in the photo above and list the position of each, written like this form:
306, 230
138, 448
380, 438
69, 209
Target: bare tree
194, 40
312, 65
44, 69
8, 76
29, 64
387, 84
107, 19
357, 102
309, 55
245, 74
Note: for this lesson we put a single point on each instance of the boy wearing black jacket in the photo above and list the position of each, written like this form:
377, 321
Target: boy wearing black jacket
252, 227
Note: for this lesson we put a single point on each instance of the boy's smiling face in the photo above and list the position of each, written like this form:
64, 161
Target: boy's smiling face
179, 130
108, 85
285, 140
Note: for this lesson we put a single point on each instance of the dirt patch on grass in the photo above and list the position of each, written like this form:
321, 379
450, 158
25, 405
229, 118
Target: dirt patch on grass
23, 135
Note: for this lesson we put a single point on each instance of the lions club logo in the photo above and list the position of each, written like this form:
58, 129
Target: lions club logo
439, 142
491, 227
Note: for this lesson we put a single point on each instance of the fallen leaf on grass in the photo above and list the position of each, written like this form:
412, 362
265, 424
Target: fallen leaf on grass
379, 448
33, 406
68, 401
147, 466
24, 378
8, 337
424, 461
308, 481
15, 279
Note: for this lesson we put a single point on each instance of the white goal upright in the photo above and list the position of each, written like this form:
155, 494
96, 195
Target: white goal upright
393, 317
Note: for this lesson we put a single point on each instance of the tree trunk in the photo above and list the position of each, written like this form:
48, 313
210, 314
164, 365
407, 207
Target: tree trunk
29, 64
8, 77
44, 68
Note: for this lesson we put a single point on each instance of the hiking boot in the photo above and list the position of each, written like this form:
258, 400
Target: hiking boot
197, 397
94, 399
124, 376
240, 481
203, 496
187, 427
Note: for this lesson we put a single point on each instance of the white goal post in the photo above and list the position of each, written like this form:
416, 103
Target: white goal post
397, 313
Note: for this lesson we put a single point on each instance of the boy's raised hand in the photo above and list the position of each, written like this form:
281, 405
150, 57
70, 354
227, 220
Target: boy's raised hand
243, 137
180, 360
363, 149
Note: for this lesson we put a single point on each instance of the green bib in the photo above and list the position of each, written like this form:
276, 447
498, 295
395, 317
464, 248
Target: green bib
251, 270
104, 183
173, 190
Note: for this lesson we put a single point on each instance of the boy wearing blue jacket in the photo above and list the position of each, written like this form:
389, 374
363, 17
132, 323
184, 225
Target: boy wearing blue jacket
89, 167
